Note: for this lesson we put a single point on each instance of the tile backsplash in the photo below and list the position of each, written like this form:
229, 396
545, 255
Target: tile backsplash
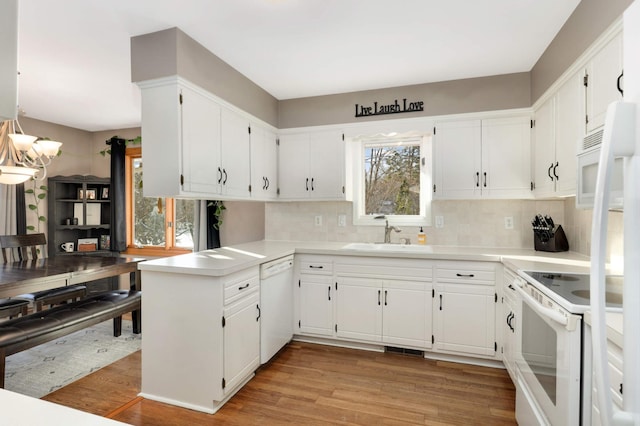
478, 223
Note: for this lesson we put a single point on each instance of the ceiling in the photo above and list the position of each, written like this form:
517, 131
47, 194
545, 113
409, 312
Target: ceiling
74, 55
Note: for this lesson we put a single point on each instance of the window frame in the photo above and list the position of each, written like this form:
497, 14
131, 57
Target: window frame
357, 154
169, 248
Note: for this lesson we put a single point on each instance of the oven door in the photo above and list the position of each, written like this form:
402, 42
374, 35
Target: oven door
548, 361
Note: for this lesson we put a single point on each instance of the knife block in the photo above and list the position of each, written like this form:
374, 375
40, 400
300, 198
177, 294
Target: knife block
555, 244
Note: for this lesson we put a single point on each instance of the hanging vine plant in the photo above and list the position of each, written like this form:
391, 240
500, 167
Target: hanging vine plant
39, 193
219, 210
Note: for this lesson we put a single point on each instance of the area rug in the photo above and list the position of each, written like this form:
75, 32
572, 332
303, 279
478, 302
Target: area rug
50, 366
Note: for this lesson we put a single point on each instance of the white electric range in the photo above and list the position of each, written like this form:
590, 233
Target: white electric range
549, 354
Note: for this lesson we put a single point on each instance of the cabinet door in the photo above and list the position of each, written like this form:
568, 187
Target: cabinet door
326, 165
544, 149
264, 163
603, 71
457, 160
235, 152
506, 158
406, 314
359, 309
464, 319
241, 335
569, 131
316, 305
293, 166
200, 143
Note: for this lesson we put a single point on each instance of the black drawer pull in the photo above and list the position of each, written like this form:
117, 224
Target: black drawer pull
315, 267
242, 287
259, 313
465, 275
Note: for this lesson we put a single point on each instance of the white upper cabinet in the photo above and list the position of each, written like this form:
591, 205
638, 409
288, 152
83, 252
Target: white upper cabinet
193, 146
559, 125
235, 165
602, 78
311, 166
264, 163
487, 158
457, 159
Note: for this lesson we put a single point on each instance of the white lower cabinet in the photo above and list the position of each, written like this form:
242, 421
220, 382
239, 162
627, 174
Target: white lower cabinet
241, 337
395, 302
313, 296
316, 305
407, 313
464, 306
359, 309
199, 357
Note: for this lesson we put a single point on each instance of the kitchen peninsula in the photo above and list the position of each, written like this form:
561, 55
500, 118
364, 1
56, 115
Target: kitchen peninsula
199, 357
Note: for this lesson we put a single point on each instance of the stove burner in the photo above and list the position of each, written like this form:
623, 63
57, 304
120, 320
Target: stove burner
610, 297
560, 277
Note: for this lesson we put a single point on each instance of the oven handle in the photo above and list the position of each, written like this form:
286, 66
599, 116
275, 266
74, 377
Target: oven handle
569, 322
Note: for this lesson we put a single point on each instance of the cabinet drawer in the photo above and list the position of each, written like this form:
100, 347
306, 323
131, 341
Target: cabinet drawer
240, 286
321, 267
466, 272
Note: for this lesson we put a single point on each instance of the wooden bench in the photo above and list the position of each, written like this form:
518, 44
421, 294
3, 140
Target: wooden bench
26, 332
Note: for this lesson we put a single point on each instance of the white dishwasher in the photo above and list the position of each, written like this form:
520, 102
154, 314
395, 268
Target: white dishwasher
276, 305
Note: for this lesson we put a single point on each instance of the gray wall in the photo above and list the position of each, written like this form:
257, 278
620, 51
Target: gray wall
449, 97
172, 52
590, 19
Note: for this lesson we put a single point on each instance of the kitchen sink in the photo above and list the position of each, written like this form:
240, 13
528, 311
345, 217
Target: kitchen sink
384, 247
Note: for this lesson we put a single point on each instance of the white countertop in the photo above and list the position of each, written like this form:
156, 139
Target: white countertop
226, 260
24, 410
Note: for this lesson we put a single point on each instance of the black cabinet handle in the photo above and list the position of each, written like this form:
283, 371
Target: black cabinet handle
512, 287
621, 92
267, 179
378, 297
620, 388
465, 275
554, 170
329, 293
242, 287
477, 178
307, 184
312, 187
259, 312
440, 302
549, 172
385, 298
485, 179
219, 175
315, 267
224, 182
264, 182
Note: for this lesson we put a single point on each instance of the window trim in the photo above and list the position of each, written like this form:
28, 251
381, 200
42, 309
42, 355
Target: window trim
357, 154
169, 248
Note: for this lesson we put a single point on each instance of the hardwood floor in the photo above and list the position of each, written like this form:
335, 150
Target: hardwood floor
315, 384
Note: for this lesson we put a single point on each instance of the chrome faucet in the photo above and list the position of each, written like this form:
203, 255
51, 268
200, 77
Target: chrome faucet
387, 231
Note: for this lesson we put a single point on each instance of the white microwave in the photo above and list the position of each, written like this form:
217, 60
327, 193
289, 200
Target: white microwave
588, 161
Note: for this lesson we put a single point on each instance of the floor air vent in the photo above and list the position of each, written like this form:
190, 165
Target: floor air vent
403, 351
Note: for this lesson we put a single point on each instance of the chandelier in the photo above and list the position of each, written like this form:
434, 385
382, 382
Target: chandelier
23, 157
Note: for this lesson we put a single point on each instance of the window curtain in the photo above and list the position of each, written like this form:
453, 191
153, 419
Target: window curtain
9, 210
206, 235
118, 194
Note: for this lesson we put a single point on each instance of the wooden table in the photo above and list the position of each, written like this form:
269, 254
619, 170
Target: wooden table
58, 271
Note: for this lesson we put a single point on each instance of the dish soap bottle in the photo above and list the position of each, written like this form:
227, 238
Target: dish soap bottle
422, 237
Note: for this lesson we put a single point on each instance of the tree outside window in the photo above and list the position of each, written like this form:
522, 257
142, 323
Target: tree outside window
392, 179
